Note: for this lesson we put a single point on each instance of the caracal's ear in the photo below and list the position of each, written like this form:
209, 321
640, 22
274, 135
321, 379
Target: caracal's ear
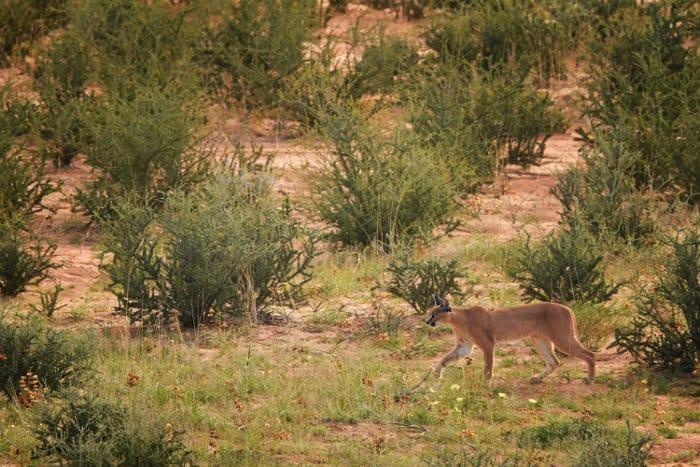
437, 299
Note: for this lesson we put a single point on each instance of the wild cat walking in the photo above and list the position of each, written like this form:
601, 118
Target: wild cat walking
546, 324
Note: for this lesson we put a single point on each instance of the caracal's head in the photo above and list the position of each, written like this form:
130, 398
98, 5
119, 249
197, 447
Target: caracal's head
439, 311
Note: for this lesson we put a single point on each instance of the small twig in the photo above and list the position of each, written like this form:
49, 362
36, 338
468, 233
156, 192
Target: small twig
411, 427
247, 360
397, 397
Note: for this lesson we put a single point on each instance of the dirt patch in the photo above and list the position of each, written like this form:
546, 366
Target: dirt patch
365, 431
666, 451
525, 204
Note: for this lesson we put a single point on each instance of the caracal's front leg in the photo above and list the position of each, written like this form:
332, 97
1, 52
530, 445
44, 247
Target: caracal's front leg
463, 349
489, 351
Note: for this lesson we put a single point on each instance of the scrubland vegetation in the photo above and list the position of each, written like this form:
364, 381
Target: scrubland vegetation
222, 223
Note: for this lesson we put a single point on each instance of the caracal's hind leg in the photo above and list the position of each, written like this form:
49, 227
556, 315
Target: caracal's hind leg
546, 349
463, 349
573, 347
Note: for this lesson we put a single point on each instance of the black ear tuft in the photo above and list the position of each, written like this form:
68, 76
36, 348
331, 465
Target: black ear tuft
437, 299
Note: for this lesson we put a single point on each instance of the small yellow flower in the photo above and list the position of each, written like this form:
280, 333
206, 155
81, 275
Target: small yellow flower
432, 390
532, 401
644, 381
460, 399
434, 402
502, 395
455, 387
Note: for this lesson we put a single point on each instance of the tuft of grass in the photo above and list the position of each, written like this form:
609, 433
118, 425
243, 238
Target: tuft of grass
341, 273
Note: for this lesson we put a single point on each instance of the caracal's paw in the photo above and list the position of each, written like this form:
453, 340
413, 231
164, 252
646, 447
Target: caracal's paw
587, 380
535, 380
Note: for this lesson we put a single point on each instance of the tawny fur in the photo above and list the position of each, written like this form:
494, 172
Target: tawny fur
549, 325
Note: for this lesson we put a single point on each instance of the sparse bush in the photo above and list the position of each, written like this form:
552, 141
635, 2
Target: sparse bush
608, 8
134, 44
338, 5
17, 116
144, 146
418, 281
316, 93
23, 261
643, 82
477, 458
564, 267
382, 65
494, 33
544, 436
595, 323
28, 345
88, 431
604, 195
23, 21
60, 79
665, 335
376, 189
600, 445
228, 247
604, 452
384, 321
409, 8
49, 302
258, 45
23, 184
479, 122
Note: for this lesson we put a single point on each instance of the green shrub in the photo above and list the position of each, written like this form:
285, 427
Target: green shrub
665, 334
49, 301
28, 345
606, 9
23, 21
23, 183
599, 445
547, 435
316, 93
604, 195
480, 122
376, 189
23, 261
382, 65
229, 247
61, 76
17, 116
493, 33
384, 321
634, 451
134, 44
145, 146
595, 323
258, 45
643, 81
564, 267
417, 282
88, 431
473, 458
338, 5
409, 8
